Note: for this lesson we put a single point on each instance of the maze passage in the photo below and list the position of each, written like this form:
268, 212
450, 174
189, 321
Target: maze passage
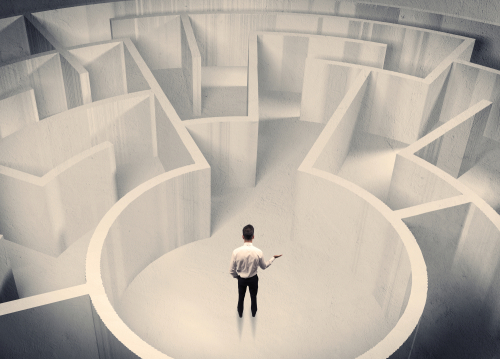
138, 137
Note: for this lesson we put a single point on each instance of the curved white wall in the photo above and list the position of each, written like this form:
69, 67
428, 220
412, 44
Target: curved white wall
190, 184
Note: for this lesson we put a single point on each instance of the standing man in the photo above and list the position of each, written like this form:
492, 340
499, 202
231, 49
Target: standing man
244, 263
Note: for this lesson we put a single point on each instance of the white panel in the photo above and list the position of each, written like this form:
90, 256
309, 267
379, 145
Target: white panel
41, 73
79, 24
17, 111
270, 50
62, 328
13, 39
230, 148
412, 184
325, 85
48, 214
106, 66
218, 76
297, 23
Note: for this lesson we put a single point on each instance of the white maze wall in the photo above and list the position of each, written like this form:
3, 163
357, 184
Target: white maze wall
123, 125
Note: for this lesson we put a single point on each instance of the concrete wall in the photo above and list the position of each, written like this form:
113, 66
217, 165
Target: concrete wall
171, 150
76, 78
37, 40
49, 216
126, 121
380, 9
486, 49
8, 290
454, 147
153, 225
229, 144
157, 38
165, 212
36, 273
76, 84
17, 111
162, 214
92, 20
49, 213
130, 121
105, 64
171, 141
469, 84
325, 85
224, 43
363, 239
335, 139
416, 179
59, 324
62, 329
230, 147
19, 39
191, 64
393, 106
413, 184
108, 345
282, 57
13, 39
478, 18
92, 23
328, 154
409, 50
253, 79
396, 106
222, 38
320, 195
365, 242
223, 76
135, 78
461, 246
42, 73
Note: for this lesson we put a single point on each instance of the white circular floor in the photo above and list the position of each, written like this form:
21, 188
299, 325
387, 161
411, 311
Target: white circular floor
184, 303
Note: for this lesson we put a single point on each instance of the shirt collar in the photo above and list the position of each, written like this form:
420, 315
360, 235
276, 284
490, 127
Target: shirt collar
247, 244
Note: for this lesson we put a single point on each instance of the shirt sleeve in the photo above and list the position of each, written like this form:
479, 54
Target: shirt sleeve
232, 267
264, 264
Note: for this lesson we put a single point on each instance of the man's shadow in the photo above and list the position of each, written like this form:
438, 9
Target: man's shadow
253, 320
240, 325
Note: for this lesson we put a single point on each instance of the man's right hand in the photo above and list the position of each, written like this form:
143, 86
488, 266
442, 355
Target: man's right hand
278, 255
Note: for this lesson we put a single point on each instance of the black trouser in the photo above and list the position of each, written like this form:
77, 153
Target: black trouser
253, 286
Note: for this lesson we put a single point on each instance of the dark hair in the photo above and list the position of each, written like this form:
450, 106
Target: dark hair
248, 232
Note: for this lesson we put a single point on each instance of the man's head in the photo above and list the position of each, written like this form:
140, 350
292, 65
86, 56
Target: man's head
248, 232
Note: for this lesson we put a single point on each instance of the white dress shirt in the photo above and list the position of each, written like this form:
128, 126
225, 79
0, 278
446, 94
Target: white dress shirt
245, 261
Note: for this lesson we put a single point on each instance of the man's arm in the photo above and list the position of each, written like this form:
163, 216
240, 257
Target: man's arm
232, 267
264, 264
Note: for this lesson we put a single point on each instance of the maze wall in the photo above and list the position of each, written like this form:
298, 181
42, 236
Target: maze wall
120, 122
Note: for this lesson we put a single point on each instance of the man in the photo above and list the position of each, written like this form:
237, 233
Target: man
244, 263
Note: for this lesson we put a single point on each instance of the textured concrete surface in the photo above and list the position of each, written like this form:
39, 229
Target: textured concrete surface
331, 209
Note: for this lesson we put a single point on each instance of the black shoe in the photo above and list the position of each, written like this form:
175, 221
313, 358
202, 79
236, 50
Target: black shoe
241, 315
253, 314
